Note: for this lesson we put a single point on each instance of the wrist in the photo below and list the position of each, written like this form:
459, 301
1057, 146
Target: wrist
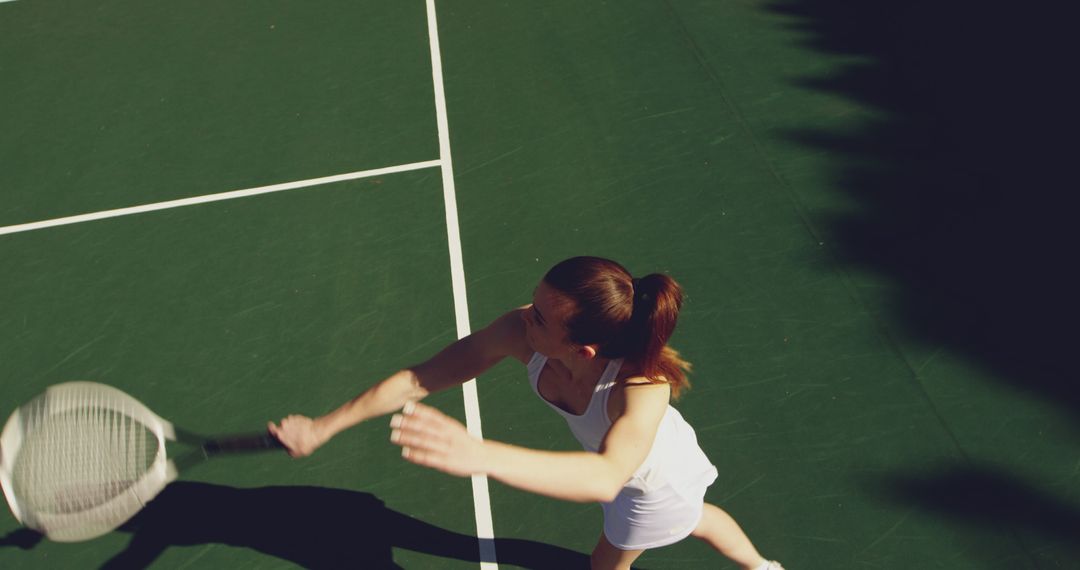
491, 455
322, 428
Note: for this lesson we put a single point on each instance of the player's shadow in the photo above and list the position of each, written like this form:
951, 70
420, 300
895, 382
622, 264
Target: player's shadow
313, 527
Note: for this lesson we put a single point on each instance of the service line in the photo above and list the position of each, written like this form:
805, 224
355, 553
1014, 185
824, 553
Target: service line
215, 197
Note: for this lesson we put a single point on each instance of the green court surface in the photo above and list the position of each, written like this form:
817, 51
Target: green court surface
864, 386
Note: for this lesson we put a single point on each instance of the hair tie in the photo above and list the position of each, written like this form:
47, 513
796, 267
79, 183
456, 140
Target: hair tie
635, 283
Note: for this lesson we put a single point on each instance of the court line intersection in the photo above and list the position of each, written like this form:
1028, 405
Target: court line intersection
195, 200
481, 498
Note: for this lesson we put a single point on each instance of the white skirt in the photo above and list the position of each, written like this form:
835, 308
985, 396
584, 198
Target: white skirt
654, 519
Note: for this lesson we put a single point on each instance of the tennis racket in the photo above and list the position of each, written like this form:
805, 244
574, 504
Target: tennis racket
82, 458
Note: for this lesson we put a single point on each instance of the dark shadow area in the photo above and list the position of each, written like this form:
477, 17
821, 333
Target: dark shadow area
963, 182
23, 538
985, 497
313, 527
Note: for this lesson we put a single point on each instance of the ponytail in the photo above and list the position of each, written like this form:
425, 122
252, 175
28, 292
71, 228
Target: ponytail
657, 301
625, 317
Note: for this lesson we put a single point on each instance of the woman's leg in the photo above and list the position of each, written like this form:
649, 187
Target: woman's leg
722, 533
607, 557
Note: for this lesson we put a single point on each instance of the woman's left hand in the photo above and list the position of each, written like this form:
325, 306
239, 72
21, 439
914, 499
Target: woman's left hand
430, 438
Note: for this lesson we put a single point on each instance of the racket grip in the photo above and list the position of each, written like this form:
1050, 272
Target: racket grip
242, 443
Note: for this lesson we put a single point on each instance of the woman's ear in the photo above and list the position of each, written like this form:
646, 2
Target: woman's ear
587, 351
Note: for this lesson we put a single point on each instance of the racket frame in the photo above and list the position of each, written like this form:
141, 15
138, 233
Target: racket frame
100, 519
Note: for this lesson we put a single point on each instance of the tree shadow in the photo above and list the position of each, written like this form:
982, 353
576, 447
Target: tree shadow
313, 527
963, 180
986, 497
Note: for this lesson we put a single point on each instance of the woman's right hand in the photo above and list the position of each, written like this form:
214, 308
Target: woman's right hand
299, 434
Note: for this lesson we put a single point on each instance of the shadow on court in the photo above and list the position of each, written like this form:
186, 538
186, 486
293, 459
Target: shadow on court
983, 496
961, 181
313, 527
964, 180
23, 538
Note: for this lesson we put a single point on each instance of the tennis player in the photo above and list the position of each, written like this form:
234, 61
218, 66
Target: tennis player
594, 343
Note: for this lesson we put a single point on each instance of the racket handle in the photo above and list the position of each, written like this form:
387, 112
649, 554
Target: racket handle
242, 443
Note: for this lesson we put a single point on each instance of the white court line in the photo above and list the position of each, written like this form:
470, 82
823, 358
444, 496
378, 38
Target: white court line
481, 500
215, 197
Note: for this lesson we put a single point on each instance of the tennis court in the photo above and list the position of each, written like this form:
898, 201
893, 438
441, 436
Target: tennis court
236, 211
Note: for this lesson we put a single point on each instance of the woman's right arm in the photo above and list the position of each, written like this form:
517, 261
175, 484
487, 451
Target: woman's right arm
457, 363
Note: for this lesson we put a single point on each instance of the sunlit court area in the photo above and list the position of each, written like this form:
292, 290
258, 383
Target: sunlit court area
232, 212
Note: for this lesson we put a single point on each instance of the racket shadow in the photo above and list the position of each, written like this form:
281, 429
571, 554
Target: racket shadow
23, 538
313, 527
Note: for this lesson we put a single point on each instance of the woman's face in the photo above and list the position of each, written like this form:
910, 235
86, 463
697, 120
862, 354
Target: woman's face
544, 322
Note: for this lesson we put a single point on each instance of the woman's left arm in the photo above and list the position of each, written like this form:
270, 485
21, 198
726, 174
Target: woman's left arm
432, 439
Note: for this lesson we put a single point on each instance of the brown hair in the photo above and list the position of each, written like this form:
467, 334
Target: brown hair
625, 317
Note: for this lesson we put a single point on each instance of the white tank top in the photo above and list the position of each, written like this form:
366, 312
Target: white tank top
675, 458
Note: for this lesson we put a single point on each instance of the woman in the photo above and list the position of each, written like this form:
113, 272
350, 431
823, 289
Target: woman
594, 342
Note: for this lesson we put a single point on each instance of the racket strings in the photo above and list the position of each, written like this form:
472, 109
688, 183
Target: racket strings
80, 453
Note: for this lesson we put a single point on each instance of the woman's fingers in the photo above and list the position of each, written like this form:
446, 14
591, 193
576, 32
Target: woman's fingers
418, 431
283, 435
432, 439
418, 419
295, 433
427, 415
422, 457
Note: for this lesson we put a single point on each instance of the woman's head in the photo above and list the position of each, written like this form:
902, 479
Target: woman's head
604, 306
